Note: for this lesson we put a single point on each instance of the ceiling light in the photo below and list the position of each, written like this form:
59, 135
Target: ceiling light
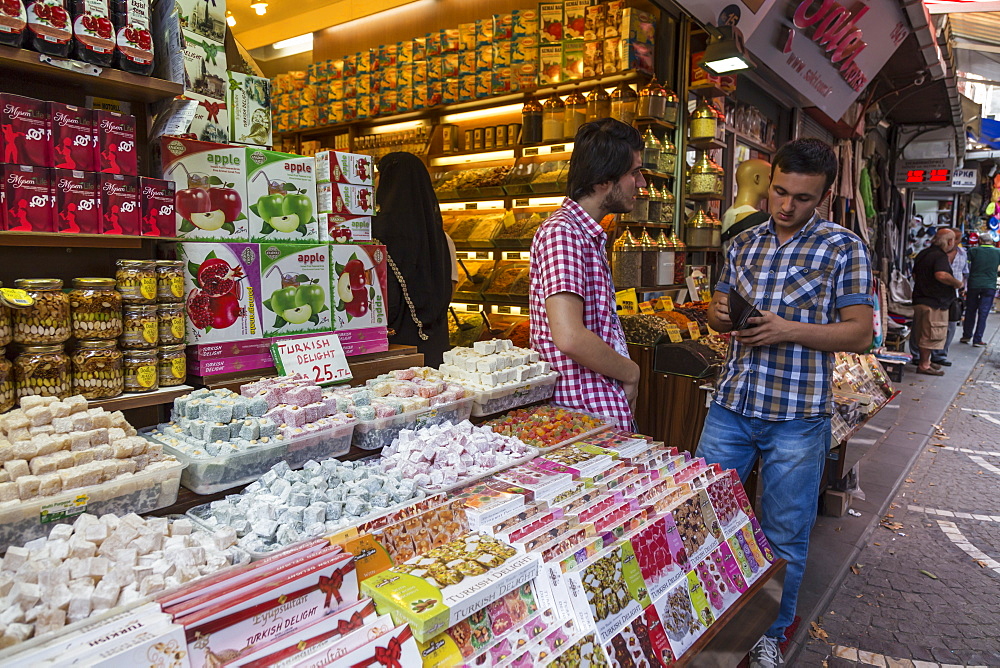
463, 116
259, 6
299, 44
230, 19
725, 52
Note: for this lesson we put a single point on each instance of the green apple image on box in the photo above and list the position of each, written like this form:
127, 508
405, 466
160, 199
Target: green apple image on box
281, 188
295, 286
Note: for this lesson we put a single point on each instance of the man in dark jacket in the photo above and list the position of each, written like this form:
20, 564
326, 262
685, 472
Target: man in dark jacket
934, 288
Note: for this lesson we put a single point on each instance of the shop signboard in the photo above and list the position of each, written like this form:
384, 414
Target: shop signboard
934, 174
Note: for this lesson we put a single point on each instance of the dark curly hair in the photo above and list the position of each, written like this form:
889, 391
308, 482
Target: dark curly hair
807, 156
603, 151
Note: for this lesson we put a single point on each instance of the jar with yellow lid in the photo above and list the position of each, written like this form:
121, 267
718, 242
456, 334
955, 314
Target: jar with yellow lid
707, 122
575, 114
624, 103
141, 371
43, 371
652, 101
7, 393
706, 177
172, 366
47, 320
95, 309
142, 327
137, 281
598, 104
553, 117
169, 281
626, 261
171, 319
98, 370
650, 258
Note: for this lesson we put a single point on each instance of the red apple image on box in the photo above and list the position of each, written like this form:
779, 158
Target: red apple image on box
27, 198
156, 207
73, 138
119, 204
25, 131
211, 188
116, 149
343, 228
78, 207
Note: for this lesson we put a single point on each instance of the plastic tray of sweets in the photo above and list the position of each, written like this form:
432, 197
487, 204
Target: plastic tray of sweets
380, 432
508, 397
607, 423
139, 493
465, 482
208, 475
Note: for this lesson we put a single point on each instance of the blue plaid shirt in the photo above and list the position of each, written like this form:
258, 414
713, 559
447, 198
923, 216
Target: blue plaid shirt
822, 268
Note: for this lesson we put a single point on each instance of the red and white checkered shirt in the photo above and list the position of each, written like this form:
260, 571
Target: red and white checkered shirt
568, 254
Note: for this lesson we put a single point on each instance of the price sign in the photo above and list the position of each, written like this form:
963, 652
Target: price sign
482, 256
321, 358
471, 205
628, 302
520, 203
674, 333
694, 331
503, 310
667, 303
557, 148
646, 308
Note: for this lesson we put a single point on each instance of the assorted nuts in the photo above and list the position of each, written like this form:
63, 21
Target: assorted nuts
42, 371
169, 281
98, 371
7, 394
47, 321
141, 371
142, 328
6, 334
96, 309
171, 318
172, 365
137, 281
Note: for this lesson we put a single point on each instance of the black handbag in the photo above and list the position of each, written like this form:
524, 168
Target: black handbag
955, 310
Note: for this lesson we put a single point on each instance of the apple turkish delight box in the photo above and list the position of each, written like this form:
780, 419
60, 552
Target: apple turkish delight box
281, 191
295, 289
248, 100
358, 286
344, 198
210, 181
341, 167
342, 228
222, 288
438, 589
26, 198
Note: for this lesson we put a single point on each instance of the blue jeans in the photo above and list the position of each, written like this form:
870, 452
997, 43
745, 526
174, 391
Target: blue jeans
792, 456
978, 301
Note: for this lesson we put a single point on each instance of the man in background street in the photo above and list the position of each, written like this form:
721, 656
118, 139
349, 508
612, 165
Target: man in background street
959, 259
983, 263
934, 289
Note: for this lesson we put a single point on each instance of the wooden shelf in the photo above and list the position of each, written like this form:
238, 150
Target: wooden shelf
750, 142
706, 144
653, 172
709, 91
702, 249
111, 83
667, 125
642, 223
125, 402
69, 240
704, 197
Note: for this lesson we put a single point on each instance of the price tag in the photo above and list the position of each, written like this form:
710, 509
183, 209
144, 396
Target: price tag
711, 332
321, 358
530, 151
53, 512
557, 148
667, 303
471, 205
472, 308
482, 256
694, 331
674, 333
628, 302
513, 256
646, 308
503, 310
520, 203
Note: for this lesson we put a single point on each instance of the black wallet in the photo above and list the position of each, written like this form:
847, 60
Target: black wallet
740, 310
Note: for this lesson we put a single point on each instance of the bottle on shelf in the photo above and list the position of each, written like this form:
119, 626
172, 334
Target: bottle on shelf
651, 150
575, 114
624, 103
553, 119
531, 123
598, 104
50, 29
93, 32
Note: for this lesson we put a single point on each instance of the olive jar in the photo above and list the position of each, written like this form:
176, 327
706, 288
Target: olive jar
43, 371
95, 309
98, 370
47, 320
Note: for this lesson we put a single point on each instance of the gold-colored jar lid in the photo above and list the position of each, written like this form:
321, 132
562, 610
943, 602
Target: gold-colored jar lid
575, 99
705, 165
624, 91
626, 242
169, 263
663, 242
652, 89
140, 355
531, 105
137, 263
140, 309
700, 219
96, 344
647, 242
56, 348
554, 102
176, 348
707, 110
39, 283
597, 95
95, 283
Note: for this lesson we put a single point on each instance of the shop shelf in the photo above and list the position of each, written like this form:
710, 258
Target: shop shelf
108, 82
125, 402
658, 122
704, 197
706, 144
653, 172
65, 240
710, 91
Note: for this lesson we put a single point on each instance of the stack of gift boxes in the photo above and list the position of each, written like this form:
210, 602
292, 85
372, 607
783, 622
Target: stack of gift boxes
551, 43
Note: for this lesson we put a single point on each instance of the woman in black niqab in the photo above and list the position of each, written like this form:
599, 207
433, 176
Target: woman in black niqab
409, 224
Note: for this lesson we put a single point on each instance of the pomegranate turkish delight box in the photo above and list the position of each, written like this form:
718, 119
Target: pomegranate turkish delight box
281, 194
222, 290
25, 128
211, 183
26, 198
295, 289
358, 287
78, 207
341, 167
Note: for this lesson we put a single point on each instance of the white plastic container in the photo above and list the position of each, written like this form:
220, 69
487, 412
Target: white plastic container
380, 432
501, 399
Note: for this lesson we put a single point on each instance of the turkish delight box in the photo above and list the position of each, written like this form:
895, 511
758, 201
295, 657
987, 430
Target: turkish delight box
207, 19
211, 119
156, 208
222, 287
73, 137
295, 286
721, 579
643, 642
661, 555
344, 198
116, 148
211, 189
25, 128
395, 648
358, 286
119, 196
248, 100
281, 191
316, 652
204, 66
342, 167
340, 228
434, 591
608, 591
681, 623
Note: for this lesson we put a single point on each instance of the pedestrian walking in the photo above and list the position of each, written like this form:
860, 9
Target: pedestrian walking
934, 290
983, 263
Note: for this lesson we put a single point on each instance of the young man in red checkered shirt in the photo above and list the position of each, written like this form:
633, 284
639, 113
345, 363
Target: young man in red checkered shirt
574, 320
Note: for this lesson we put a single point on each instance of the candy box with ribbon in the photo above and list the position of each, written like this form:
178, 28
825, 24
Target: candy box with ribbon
396, 649
323, 653
435, 590
260, 613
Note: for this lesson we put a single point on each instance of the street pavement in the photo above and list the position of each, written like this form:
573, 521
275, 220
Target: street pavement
922, 586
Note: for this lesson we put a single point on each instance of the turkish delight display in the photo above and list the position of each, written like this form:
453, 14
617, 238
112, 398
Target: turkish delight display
287, 506
680, 621
608, 591
501, 375
229, 439
99, 563
442, 457
548, 427
641, 643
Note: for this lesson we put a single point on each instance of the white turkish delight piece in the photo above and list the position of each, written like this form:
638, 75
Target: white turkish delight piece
181, 527
96, 533
50, 618
152, 584
17, 468
25, 594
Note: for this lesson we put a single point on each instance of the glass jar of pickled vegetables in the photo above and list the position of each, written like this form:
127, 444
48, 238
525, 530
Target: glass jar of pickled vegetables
98, 370
95, 309
42, 371
141, 371
137, 281
171, 319
7, 392
47, 320
142, 327
172, 365
169, 281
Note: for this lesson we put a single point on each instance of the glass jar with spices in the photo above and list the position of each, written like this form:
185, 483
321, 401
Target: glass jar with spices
598, 104
652, 101
665, 260
43, 371
666, 206
137, 281
671, 106
7, 393
141, 371
98, 371
575, 115
142, 327
655, 203
626, 262
531, 123
624, 103
553, 117
650, 259
651, 148
169, 281
171, 319
172, 366
680, 258
47, 320
701, 229
640, 211
95, 309
707, 122
668, 156
706, 177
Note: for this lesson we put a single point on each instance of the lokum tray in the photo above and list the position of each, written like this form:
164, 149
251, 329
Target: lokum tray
501, 399
465, 482
380, 432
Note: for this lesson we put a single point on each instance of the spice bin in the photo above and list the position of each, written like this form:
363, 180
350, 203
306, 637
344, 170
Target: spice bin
42, 371
706, 177
703, 230
650, 259
95, 309
624, 103
98, 370
598, 104
575, 116
47, 320
707, 122
553, 118
626, 262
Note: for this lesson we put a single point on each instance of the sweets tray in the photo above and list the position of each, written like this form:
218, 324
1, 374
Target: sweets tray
510, 396
465, 482
380, 432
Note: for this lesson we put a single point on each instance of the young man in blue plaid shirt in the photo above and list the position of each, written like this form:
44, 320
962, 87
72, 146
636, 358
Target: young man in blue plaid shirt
811, 281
